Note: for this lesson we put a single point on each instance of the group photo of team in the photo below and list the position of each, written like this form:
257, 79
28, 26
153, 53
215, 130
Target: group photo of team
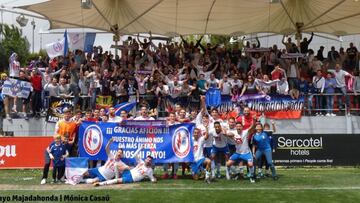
179, 100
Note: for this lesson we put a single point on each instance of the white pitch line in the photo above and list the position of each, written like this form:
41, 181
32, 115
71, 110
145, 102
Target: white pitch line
198, 189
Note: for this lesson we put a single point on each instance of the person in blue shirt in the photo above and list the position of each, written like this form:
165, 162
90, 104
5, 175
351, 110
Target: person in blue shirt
58, 153
262, 146
273, 143
303, 86
330, 85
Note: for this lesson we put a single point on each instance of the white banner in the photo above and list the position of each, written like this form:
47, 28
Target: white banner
55, 49
76, 41
17, 88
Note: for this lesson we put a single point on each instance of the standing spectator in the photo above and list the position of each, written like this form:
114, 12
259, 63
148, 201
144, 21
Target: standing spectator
333, 57
212, 82
352, 58
305, 44
288, 44
66, 127
74, 80
36, 80
25, 101
53, 88
330, 84
319, 84
341, 86
319, 54
64, 89
303, 86
282, 87
356, 89
293, 74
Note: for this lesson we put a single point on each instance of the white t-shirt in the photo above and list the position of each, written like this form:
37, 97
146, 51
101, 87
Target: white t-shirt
141, 118
219, 140
230, 140
108, 169
209, 141
226, 87
242, 143
141, 171
340, 77
115, 119
237, 82
199, 148
175, 90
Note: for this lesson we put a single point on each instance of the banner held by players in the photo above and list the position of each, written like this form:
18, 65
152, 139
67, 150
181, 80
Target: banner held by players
166, 144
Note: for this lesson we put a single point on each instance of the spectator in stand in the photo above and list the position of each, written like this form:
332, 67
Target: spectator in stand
293, 74
36, 80
74, 79
25, 101
352, 60
250, 87
319, 84
303, 86
112, 117
341, 86
144, 114
333, 57
305, 44
225, 87
289, 44
282, 87
356, 89
212, 82
330, 84
64, 89
53, 88
319, 54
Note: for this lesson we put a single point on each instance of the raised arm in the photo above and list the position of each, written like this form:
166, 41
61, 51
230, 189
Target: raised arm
107, 148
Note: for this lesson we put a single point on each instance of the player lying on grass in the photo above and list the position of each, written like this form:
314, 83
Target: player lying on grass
199, 159
142, 169
110, 169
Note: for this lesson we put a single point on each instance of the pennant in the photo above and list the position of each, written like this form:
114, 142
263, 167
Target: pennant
75, 169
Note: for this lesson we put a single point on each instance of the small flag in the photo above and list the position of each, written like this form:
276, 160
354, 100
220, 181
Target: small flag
66, 43
127, 106
75, 169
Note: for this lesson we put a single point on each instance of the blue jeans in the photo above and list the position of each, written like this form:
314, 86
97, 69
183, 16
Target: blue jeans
310, 103
329, 103
268, 156
343, 91
319, 99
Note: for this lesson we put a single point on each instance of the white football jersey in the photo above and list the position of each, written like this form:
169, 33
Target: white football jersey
199, 148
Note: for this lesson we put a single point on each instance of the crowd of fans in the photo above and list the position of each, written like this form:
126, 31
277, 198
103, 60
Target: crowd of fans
182, 72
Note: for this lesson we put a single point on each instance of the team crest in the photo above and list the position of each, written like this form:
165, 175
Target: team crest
92, 140
181, 142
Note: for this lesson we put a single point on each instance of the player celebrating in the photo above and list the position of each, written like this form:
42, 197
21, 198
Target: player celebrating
110, 169
261, 142
219, 146
199, 159
243, 152
142, 169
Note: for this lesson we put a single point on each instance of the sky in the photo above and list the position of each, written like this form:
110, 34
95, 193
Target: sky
105, 40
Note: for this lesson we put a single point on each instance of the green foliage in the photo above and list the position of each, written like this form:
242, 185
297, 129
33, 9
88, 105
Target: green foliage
35, 56
12, 41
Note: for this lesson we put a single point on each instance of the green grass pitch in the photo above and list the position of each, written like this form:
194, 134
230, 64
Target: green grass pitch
294, 185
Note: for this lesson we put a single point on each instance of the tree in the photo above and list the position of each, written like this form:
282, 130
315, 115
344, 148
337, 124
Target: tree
12, 41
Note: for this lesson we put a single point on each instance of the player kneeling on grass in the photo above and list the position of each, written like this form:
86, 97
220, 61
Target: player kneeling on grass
261, 142
110, 169
142, 169
243, 152
58, 153
199, 159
